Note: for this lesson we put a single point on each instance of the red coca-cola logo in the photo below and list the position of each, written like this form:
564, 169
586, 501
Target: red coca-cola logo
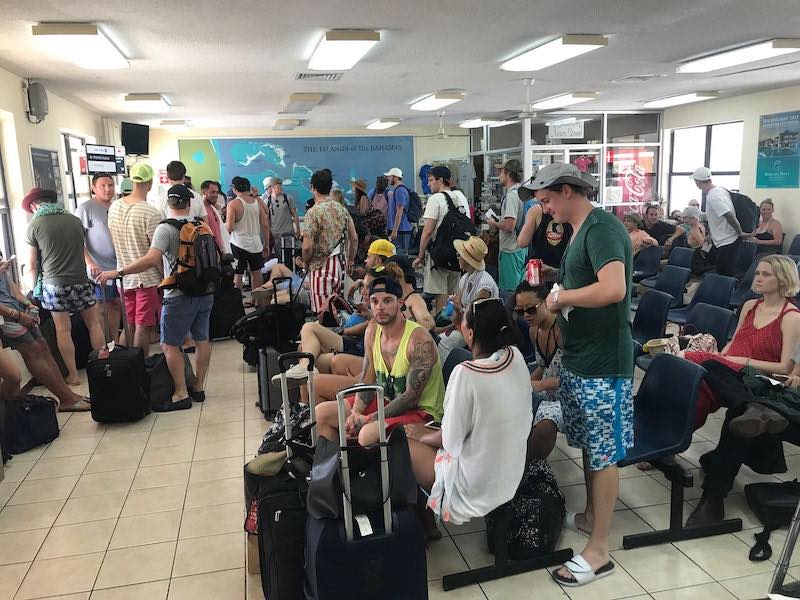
635, 183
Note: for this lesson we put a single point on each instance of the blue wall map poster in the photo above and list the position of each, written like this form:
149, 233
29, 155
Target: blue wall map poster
295, 159
778, 164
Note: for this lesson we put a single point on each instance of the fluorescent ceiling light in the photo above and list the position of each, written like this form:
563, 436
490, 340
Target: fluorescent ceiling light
286, 124
383, 123
740, 56
564, 100
147, 103
301, 103
681, 99
437, 100
554, 52
474, 123
84, 44
175, 125
341, 49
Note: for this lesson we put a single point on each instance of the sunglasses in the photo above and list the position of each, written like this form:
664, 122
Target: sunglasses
530, 311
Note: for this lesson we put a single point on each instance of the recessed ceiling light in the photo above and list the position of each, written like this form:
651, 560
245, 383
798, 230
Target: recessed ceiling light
740, 56
383, 123
341, 49
175, 125
555, 51
147, 103
437, 100
302, 103
564, 100
680, 99
286, 124
474, 123
84, 44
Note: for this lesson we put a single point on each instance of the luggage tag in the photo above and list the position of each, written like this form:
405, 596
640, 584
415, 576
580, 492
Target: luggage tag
105, 352
364, 526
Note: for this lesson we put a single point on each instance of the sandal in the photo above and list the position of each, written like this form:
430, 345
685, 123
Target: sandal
82, 405
582, 572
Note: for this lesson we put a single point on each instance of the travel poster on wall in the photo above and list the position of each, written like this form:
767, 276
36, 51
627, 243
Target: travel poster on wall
778, 164
294, 160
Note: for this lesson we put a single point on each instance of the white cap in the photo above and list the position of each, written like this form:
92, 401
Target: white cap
394, 171
702, 174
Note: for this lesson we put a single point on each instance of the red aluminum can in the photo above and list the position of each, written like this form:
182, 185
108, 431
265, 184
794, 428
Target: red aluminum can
533, 272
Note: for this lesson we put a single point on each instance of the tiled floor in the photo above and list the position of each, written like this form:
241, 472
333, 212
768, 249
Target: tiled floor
154, 510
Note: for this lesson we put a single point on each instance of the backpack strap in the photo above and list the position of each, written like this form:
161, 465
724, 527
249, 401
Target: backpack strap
450, 205
176, 223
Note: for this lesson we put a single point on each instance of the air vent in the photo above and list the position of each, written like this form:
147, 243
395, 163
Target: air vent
317, 76
637, 78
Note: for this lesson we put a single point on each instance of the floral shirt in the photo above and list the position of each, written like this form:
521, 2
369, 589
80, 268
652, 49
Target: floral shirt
326, 224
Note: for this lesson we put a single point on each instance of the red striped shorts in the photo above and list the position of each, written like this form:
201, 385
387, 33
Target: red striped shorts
326, 281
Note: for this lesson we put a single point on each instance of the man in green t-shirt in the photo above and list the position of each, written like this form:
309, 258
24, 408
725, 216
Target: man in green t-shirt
596, 386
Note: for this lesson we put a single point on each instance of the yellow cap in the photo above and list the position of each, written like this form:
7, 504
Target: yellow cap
381, 248
141, 173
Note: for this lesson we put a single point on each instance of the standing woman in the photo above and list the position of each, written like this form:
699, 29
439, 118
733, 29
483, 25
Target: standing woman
769, 233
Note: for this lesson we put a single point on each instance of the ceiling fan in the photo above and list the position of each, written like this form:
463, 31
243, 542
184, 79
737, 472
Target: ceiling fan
441, 134
527, 109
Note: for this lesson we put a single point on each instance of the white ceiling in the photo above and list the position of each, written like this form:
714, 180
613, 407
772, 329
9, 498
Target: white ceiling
232, 63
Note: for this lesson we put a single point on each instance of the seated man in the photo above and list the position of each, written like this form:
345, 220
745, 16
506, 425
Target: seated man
20, 331
401, 357
181, 314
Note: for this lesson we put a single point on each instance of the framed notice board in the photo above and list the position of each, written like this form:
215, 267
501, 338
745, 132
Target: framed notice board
46, 171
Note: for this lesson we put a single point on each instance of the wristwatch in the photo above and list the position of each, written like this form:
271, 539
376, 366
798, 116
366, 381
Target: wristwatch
555, 296
120, 273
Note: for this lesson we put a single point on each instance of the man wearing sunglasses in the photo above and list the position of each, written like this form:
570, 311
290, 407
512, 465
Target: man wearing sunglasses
593, 307
400, 356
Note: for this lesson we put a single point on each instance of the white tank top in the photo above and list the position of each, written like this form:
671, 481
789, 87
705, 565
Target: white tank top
246, 232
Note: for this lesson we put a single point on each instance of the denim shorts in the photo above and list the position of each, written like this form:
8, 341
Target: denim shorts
183, 315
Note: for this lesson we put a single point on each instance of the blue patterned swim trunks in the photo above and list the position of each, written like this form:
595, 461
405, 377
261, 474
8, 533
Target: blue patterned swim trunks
598, 416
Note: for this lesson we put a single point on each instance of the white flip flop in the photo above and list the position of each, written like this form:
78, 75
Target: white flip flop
582, 572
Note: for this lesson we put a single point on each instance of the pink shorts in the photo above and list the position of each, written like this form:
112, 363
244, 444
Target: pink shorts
415, 415
142, 306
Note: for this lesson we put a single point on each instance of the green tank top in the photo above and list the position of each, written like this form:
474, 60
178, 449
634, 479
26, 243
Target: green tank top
394, 382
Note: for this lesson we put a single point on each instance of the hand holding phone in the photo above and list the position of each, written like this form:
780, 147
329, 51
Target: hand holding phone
433, 425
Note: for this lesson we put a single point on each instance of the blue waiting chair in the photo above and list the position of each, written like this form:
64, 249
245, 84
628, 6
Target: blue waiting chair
650, 319
678, 257
747, 254
714, 289
672, 280
743, 291
647, 262
715, 320
456, 357
663, 423
794, 248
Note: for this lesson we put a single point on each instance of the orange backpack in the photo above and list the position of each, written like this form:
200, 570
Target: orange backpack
197, 270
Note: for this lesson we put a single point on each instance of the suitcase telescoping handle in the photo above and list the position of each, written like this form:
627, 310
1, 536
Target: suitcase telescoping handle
123, 314
384, 456
275, 283
283, 360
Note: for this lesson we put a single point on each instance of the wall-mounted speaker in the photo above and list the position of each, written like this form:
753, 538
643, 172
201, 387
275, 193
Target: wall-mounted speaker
37, 101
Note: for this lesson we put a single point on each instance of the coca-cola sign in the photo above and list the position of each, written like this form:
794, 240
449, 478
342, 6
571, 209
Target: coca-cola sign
634, 183
633, 171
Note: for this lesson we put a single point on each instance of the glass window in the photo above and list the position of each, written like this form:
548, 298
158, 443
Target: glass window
477, 142
507, 136
639, 128
729, 182
561, 129
688, 149
726, 147
631, 175
681, 190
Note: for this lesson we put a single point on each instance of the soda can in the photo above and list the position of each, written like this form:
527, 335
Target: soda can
533, 271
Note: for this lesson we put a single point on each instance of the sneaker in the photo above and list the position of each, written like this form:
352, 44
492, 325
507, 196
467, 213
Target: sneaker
296, 376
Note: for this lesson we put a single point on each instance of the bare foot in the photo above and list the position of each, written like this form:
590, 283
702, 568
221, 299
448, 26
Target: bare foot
73, 381
583, 523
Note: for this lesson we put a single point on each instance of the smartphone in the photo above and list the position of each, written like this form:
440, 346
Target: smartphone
779, 377
433, 425
12, 257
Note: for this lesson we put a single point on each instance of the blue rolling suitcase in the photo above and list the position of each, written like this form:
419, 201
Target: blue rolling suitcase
384, 559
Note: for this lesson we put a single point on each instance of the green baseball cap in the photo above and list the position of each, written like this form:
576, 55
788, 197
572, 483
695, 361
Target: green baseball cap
141, 173
126, 186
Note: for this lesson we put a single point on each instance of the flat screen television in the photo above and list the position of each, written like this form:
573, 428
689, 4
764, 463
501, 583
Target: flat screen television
135, 138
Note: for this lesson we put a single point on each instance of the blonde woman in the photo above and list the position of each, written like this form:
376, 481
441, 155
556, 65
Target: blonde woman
769, 233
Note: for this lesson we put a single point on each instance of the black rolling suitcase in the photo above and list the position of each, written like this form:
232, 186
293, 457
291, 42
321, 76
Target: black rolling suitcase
118, 382
228, 308
278, 499
287, 250
269, 393
343, 563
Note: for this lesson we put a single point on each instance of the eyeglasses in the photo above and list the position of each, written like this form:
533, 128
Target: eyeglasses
530, 310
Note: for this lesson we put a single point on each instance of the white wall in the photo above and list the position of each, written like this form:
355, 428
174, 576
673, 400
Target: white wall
17, 135
747, 108
164, 144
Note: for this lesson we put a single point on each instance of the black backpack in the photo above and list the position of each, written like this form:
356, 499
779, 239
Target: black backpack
747, 212
414, 209
197, 270
456, 225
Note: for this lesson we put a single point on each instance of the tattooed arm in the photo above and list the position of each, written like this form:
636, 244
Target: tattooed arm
367, 371
422, 356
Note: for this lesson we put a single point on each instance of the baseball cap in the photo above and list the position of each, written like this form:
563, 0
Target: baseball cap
553, 174
701, 174
141, 173
179, 192
382, 247
394, 171
387, 285
38, 195
126, 186
441, 172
